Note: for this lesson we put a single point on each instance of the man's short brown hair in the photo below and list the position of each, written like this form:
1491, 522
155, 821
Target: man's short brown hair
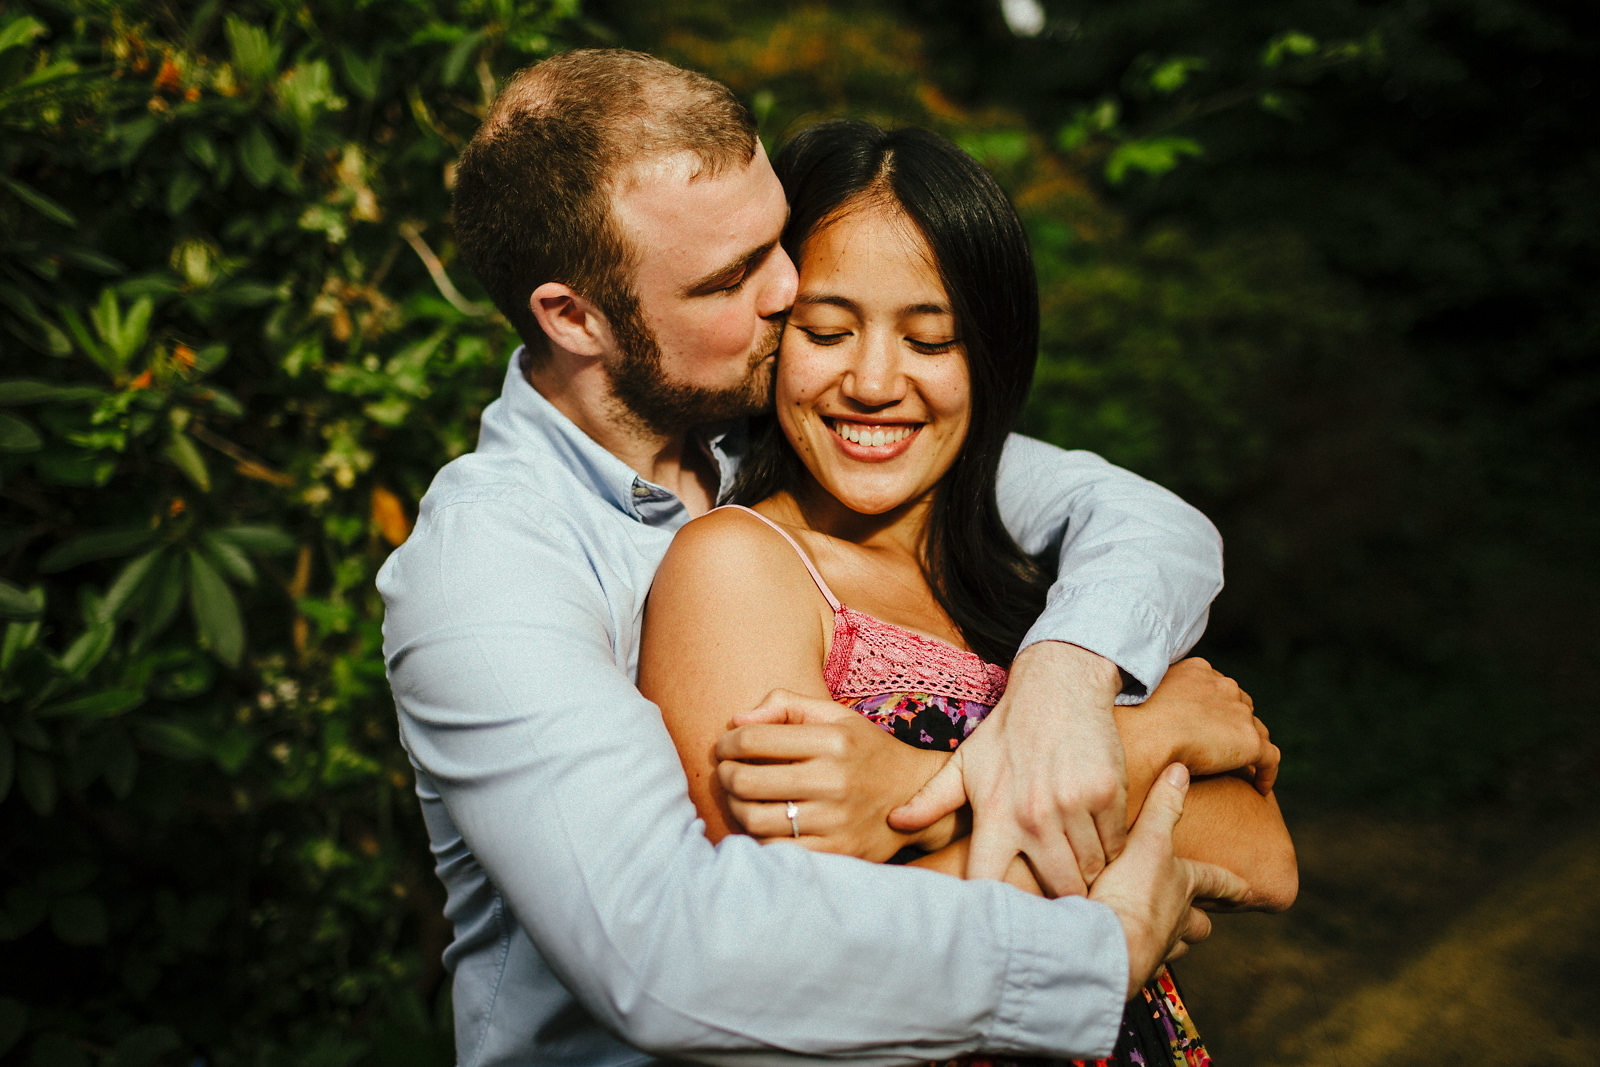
533, 188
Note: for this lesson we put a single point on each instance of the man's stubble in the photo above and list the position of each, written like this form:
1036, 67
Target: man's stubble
645, 394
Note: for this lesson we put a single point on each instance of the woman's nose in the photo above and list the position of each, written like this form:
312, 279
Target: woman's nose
876, 379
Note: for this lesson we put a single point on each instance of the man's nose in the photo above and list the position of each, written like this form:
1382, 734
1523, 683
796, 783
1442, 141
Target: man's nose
777, 294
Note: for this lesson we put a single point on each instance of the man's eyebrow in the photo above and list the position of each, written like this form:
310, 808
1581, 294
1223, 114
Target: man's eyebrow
726, 274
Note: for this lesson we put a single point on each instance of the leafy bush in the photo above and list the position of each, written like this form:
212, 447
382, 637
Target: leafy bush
230, 361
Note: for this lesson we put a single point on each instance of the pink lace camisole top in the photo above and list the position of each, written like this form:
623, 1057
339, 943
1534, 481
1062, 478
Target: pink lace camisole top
923, 691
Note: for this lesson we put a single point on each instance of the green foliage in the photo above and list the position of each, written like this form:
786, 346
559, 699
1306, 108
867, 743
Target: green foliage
231, 359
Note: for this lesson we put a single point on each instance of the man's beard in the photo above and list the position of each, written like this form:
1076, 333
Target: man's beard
666, 407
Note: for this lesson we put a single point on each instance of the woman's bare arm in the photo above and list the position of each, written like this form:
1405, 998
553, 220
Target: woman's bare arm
735, 622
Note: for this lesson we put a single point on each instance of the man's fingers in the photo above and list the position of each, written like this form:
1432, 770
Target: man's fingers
1068, 865
1163, 804
1111, 827
1215, 884
938, 797
1196, 929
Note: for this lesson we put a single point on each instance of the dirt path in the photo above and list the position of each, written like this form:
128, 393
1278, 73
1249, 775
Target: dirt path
1472, 940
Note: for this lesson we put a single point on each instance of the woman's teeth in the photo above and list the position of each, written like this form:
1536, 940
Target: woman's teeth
872, 435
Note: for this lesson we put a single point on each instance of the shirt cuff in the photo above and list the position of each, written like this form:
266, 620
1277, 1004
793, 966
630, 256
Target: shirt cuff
1066, 987
1101, 619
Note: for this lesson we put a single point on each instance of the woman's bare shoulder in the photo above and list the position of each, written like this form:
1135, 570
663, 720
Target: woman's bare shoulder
731, 552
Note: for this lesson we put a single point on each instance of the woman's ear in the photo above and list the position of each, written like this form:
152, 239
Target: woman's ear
571, 320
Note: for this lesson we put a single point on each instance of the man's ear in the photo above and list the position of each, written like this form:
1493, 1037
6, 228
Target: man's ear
571, 320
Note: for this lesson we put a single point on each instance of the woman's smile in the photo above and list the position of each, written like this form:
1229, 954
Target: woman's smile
873, 442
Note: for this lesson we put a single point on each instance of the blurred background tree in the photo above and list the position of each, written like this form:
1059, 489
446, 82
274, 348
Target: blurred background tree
1325, 269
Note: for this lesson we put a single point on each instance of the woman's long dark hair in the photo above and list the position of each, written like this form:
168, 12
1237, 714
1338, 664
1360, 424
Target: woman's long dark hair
990, 588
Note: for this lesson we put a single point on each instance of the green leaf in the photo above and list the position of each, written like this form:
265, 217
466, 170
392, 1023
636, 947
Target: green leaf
80, 919
1154, 156
161, 607
360, 74
20, 636
16, 391
460, 54
18, 435
173, 740
36, 781
181, 193
102, 705
229, 557
19, 31
200, 148
128, 582
80, 333
92, 259
186, 457
107, 319
1172, 75
135, 329
20, 605
76, 467
266, 540
39, 202
101, 544
232, 750
1292, 43
216, 611
90, 647
258, 157
254, 55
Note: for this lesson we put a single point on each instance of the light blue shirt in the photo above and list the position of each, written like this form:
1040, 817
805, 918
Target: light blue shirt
593, 919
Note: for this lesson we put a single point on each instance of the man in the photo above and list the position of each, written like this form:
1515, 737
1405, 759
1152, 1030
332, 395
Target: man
624, 218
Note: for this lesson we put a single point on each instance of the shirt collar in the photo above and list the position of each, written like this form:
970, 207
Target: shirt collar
522, 414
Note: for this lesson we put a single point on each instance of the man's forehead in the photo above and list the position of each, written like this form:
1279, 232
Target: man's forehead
664, 170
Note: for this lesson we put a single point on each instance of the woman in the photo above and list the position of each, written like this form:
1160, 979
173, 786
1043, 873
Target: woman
872, 567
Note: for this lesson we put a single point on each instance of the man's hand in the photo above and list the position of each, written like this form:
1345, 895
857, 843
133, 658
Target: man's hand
1044, 773
842, 772
1154, 892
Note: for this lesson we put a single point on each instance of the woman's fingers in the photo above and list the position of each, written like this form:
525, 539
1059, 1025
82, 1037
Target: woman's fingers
1266, 765
758, 782
778, 742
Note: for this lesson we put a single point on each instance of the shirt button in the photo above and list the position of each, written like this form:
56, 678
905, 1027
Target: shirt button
641, 491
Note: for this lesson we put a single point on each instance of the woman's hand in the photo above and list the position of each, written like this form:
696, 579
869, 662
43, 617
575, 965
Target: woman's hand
843, 774
1201, 718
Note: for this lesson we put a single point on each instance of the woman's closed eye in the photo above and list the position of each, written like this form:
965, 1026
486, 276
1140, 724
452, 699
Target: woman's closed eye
932, 348
820, 335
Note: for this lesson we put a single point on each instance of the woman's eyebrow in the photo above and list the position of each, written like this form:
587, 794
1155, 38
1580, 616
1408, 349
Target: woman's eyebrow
825, 300
832, 300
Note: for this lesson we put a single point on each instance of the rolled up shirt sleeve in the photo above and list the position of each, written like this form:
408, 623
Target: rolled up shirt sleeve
509, 648
1138, 566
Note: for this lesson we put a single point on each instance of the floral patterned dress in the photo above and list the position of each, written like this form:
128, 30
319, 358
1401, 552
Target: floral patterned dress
933, 695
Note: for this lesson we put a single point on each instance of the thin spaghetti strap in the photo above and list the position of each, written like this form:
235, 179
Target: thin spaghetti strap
833, 601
